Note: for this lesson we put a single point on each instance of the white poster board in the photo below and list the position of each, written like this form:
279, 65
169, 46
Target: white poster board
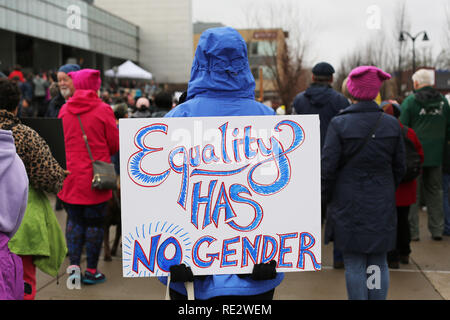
220, 194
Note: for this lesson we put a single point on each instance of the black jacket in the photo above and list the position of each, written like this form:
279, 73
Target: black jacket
362, 214
322, 100
54, 106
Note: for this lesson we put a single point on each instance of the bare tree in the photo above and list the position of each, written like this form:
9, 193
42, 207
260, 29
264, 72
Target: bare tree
285, 60
443, 59
402, 23
386, 51
372, 53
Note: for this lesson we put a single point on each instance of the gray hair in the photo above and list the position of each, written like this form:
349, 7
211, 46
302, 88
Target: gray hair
424, 77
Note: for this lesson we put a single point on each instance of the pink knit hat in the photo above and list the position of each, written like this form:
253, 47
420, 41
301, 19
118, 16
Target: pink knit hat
142, 102
364, 82
86, 79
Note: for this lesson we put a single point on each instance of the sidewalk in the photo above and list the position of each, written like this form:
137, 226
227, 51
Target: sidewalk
427, 277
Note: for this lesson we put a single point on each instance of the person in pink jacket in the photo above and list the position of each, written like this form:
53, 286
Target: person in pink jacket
86, 207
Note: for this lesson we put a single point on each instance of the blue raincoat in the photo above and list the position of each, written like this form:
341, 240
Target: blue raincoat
222, 85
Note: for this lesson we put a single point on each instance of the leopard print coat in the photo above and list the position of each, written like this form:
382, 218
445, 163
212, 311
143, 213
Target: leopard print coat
44, 172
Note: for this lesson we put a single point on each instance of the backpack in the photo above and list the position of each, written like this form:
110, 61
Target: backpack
413, 163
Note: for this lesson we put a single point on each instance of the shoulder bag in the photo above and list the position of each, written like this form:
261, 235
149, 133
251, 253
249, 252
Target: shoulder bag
104, 174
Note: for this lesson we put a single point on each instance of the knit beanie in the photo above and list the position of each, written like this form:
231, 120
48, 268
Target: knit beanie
69, 68
142, 103
364, 82
86, 79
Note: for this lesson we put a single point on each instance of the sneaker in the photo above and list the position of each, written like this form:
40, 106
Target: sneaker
437, 238
90, 278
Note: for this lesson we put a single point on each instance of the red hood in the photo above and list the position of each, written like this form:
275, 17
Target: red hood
83, 101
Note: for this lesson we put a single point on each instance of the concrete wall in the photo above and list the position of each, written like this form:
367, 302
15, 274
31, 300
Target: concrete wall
165, 34
72, 23
7, 50
46, 55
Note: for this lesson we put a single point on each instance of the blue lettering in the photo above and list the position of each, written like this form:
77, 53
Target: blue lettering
248, 140
226, 252
212, 156
184, 170
137, 174
199, 262
197, 200
235, 191
249, 249
279, 156
305, 249
222, 203
274, 244
223, 130
284, 250
164, 263
139, 255
195, 162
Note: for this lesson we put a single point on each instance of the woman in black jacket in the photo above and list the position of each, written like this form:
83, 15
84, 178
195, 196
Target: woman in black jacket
363, 162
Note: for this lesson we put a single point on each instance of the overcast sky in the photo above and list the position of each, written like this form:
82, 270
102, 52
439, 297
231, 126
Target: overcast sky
335, 27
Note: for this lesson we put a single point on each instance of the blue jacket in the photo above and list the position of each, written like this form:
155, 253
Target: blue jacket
222, 85
362, 215
322, 100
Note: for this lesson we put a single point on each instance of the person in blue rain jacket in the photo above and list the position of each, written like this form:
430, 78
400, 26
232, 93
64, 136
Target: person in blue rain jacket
222, 85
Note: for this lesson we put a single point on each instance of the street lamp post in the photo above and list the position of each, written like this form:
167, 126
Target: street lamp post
402, 38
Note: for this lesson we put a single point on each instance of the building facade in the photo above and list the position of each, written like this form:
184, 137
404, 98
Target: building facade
41, 35
165, 35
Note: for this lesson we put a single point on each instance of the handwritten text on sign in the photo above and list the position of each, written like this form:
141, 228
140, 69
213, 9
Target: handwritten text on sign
220, 194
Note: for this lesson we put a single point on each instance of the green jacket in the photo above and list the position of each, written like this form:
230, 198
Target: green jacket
40, 235
427, 112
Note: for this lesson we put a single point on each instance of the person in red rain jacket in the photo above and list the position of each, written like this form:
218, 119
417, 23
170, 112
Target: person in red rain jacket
405, 197
86, 207
17, 72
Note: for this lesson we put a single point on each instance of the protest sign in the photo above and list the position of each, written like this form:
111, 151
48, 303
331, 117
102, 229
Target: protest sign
220, 194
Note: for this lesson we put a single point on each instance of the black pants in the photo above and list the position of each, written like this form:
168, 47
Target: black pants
403, 235
174, 295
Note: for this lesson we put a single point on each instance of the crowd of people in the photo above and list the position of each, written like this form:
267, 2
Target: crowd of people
380, 164
43, 94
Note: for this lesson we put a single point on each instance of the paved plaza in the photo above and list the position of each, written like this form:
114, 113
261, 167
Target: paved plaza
427, 277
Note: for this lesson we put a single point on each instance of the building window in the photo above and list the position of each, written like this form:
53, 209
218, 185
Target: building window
267, 72
262, 48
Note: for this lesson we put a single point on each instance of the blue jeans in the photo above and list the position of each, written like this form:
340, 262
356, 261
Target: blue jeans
445, 188
363, 282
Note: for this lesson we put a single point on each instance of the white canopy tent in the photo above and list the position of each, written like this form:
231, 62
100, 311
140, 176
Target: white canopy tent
129, 70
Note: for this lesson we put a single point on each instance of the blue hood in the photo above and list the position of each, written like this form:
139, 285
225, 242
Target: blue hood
220, 67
